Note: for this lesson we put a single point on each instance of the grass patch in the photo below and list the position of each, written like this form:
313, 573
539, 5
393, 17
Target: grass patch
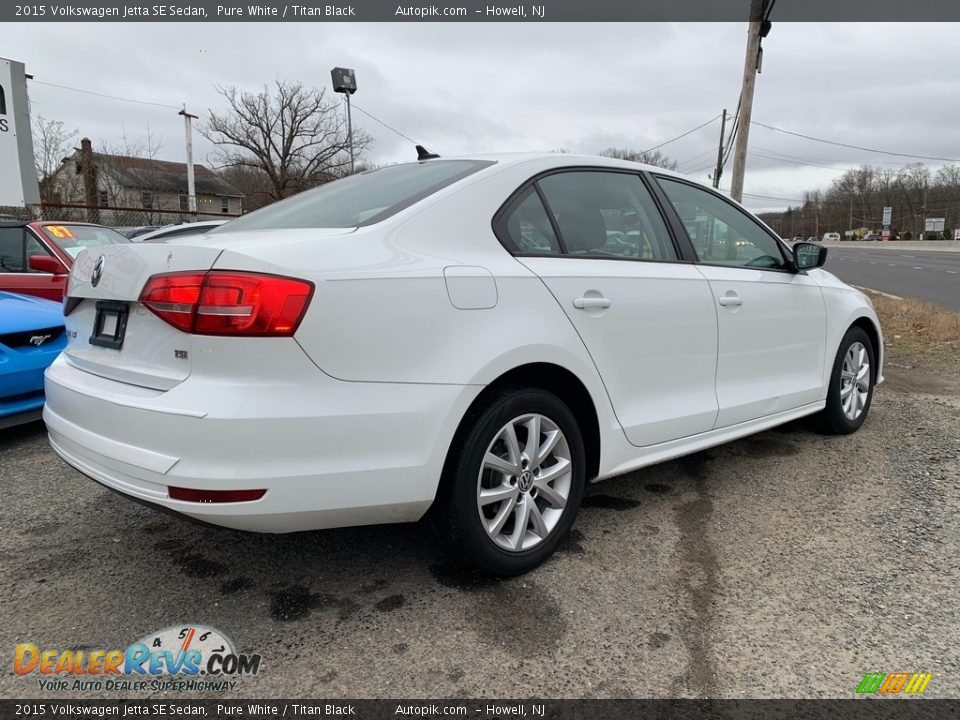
919, 332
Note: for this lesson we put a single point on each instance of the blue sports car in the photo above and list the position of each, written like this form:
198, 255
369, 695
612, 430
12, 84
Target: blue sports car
31, 336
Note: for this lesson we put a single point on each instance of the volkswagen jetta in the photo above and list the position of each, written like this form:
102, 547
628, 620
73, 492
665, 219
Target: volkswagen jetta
480, 336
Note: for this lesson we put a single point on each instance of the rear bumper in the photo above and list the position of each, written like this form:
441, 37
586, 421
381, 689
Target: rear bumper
328, 453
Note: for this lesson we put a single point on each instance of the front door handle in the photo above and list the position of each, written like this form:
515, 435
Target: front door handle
588, 303
730, 301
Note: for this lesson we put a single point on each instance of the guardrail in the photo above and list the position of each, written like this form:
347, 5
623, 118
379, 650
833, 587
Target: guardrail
941, 245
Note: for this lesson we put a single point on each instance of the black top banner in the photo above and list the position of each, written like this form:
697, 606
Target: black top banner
480, 11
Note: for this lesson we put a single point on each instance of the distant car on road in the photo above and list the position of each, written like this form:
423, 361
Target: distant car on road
831, 237
172, 231
36, 257
31, 336
811, 239
798, 239
872, 236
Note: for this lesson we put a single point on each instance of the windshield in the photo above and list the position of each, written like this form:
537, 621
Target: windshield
74, 239
362, 199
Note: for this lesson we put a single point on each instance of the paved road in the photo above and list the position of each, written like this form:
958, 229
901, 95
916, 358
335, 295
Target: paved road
783, 565
928, 275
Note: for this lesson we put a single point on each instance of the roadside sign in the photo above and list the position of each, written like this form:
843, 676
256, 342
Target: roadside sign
885, 234
848, 233
956, 233
887, 216
934, 224
18, 179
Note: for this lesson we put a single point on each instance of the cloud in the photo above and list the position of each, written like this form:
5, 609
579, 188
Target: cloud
482, 87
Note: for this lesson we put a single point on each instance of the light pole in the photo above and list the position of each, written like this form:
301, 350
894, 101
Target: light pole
345, 81
191, 186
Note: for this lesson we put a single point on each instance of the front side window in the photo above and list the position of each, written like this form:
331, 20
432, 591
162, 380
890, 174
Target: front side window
607, 215
362, 199
721, 233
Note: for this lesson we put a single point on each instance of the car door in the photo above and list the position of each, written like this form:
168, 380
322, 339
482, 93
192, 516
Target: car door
599, 243
17, 244
772, 320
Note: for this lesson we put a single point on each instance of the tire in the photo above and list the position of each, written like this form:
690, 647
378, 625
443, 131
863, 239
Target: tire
546, 492
836, 418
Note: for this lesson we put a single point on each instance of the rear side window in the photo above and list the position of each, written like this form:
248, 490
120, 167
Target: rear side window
607, 214
362, 199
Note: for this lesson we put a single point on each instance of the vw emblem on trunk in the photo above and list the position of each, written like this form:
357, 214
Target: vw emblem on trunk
97, 272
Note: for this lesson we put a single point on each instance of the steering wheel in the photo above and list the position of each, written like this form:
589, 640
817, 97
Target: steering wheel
764, 261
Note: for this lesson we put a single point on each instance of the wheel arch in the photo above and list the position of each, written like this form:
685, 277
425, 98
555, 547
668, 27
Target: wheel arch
550, 377
873, 332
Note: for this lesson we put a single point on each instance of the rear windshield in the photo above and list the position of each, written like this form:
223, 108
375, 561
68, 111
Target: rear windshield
73, 239
362, 199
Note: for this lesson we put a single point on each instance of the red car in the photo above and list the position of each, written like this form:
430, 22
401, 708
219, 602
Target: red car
35, 257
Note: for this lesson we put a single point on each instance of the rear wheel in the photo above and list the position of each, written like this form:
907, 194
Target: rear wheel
851, 384
513, 487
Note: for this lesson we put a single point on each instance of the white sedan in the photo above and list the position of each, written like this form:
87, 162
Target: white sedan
480, 336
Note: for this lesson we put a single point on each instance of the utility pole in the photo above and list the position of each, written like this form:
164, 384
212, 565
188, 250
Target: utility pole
719, 171
191, 185
759, 28
851, 217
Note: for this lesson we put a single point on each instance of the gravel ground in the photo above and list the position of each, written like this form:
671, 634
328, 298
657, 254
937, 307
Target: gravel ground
783, 565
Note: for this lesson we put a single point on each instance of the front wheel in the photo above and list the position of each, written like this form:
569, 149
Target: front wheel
851, 384
513, 487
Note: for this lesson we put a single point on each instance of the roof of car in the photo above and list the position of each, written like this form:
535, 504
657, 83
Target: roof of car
555, 159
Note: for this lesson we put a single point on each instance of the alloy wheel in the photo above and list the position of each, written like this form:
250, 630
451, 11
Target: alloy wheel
855, 381
524, 482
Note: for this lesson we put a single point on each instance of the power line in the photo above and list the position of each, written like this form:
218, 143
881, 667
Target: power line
695, 157
111, 97
772, 197
688, 132
854, 147
388, 127
795, 162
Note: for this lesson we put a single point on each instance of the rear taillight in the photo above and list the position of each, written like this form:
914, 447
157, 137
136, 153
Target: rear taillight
214, 496
228, 303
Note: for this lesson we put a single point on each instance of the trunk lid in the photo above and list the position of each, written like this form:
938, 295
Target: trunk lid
154, 354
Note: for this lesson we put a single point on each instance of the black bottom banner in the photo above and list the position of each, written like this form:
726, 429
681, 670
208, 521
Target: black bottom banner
866, 708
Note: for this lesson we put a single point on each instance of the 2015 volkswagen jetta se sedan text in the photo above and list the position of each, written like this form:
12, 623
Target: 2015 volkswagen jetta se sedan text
479, 336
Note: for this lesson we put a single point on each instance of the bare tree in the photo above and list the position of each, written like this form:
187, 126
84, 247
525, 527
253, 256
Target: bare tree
149, 183
647, 157
52, 143
295, 135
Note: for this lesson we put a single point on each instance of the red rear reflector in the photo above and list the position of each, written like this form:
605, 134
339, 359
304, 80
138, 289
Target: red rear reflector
214, 496
228, 303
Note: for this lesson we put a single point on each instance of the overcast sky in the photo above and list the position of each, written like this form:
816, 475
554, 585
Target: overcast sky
481, 87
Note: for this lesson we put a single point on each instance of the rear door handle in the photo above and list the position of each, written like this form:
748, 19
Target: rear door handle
587, 303
730, 301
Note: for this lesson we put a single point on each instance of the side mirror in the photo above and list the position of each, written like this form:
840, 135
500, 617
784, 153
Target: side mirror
47, 264
807, 255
